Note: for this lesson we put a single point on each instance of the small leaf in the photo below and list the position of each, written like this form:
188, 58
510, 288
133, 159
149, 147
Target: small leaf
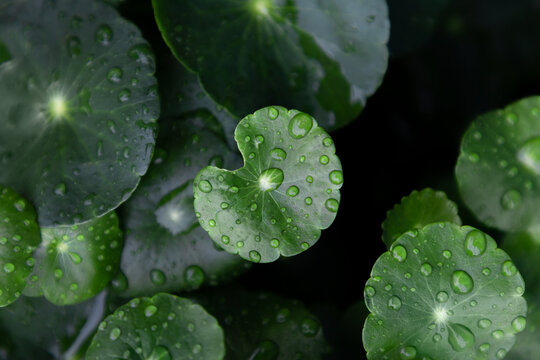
19, 237
80, 106
417, 210
324, 57
76, 262
443, 292
163, 327
266, 326
498, 166
165, 248
287, 191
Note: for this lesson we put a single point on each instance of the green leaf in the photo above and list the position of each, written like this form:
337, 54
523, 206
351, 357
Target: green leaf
417, 210
527, 345
36, 329
74, 263
163, 327
443, 292
79, 106
165, 248
499, 166
19, 236
323, 57
183, 95
287, 191
263, 326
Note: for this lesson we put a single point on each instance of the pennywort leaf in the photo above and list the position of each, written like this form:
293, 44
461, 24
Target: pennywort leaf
80, 105
287, 191
74, 263
417, 210
163, 327
324, 57
443, 292
498, 166
19, 236
165, 248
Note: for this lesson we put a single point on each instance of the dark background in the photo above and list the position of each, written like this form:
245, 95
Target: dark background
450, 61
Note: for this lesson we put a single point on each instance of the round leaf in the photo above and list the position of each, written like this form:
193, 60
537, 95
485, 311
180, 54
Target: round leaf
80, 105
287, 191
324, 57
74, 263
444, 292
19, 236
499, 166
266, 326
417, 210
163, 327
165, 248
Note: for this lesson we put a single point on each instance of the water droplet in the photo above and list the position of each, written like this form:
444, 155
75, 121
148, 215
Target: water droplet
254, 256
225, 239
309, 327
508, 268
205, 186
426, 269
114, 75
115, 334
462, 283
497, 334
484, 348
484, 323
529, 154
274, 243
157, 277
460, 337
58, 273
300, 125
442, 296
273, 113
336, 177
332, 205
293, 190
324, 159
270, 179
278, 154
407, 353
141, 53
308, 201
511, 199
327, 142
475, 243
394, 303
370, 291
447, 254
399, 253
501, 353
124, 95
104, 35
9, 268
76, 258
519, 324
194, 276
150, 310
60, 189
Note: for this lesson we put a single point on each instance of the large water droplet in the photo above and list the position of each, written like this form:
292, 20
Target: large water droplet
399, 253
114, 75
273, 113
529, 154
475, 243
394, 303
205, 186
278, 154
426, 269
254, 256
519, 324
104, 35
9, 268
336, 177
115, 334
309, 326
511, 199
293, 190
194, 276
300, 125
462, 283
407, 353
157, 277
150, 310
460, 337
332, 205
508, 268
